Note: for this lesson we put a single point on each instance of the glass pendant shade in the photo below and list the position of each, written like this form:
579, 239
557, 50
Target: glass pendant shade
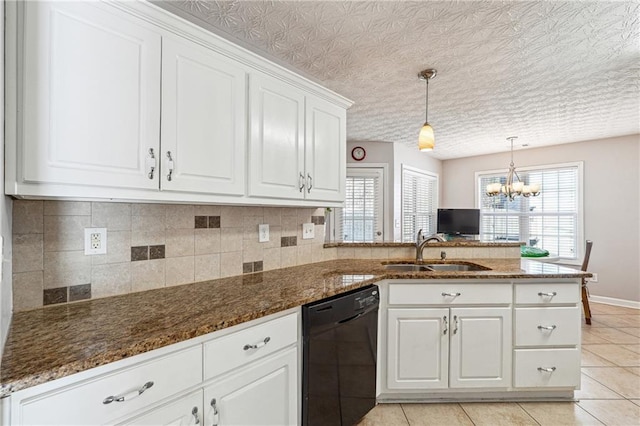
426, 140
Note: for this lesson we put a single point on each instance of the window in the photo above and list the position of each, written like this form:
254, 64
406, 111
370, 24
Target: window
419, 202
551, 221
361, 218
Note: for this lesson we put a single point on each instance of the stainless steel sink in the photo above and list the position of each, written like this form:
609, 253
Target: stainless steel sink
454, 267
407, 267
449, 266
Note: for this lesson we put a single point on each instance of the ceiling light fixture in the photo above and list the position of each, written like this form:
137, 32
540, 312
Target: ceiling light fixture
426, 140
514, 186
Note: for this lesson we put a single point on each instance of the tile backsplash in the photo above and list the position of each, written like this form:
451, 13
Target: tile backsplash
149, 246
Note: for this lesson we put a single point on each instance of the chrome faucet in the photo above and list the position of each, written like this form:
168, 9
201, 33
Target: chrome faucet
422, 241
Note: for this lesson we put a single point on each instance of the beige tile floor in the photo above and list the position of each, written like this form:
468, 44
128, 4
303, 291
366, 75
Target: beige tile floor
610, 392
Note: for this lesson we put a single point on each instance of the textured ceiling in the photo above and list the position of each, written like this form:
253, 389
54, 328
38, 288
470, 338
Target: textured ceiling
550, 72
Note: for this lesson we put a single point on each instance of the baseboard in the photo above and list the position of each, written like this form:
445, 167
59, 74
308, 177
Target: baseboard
615, 302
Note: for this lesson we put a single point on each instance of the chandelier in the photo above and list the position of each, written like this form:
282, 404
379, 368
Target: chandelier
514, 186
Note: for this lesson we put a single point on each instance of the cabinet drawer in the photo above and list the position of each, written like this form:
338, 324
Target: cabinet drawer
449, 294
170, 374
547, 326
547, 293
529, 365
233, 350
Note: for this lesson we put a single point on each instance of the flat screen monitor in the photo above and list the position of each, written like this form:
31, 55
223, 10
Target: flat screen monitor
459, 221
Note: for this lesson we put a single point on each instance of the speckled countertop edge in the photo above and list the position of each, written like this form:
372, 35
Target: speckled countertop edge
55, 342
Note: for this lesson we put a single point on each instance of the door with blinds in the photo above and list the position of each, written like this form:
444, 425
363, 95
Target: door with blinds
361, 218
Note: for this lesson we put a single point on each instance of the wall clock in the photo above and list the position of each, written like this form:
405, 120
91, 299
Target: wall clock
358, 153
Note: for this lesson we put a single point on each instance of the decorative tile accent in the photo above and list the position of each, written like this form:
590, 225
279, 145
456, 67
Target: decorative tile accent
247, 267
288, 241
52, 296
79, 292
140, 253
317, 220
201, 222
257, 266
214, 221
156, 252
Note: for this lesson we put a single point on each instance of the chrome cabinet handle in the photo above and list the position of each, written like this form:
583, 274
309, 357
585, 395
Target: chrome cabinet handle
553, 293
215, 412
151, 163
450, 294
169, 165
546, 327
195, 414
127, 396
309, 183
455, 324
301, 182
445, 324
547, 369
257, 345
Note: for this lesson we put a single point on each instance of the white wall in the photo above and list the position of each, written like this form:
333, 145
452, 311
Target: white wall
5, 214
611, 178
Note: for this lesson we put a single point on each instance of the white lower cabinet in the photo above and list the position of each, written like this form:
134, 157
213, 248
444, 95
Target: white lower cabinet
440, 348
263, 393
185, 411
169, 387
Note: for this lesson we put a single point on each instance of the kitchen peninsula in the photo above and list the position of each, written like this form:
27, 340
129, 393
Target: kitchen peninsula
53, 343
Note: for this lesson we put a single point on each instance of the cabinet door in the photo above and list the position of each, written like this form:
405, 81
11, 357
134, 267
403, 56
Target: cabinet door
91, 96
480, 347
263, 393
185, 411
276, 148
418, 346
203, 120
325, 150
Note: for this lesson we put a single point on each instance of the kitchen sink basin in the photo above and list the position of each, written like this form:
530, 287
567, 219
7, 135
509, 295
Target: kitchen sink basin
454, 267
449, 266
407, 267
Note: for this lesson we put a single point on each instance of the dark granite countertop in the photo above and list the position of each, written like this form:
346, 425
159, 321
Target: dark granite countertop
54, 342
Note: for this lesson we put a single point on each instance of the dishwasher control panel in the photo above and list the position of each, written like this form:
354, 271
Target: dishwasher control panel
366, 300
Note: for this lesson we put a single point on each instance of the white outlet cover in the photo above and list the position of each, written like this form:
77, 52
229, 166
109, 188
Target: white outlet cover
263, 233
308, 231
88, 249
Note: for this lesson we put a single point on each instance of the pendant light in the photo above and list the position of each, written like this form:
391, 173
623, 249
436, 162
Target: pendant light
426, 139
513, 186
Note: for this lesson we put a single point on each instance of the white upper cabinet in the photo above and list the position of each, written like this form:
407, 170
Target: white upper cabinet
204, 119
125, 101
297, 144
325, 155
276, 149
91, 101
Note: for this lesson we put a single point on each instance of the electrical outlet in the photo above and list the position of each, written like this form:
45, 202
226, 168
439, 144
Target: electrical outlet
95, 241
263, 233
308, 231
594, 279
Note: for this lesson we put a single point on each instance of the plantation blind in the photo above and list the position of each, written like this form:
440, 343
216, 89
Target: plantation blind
360, 220
419, 202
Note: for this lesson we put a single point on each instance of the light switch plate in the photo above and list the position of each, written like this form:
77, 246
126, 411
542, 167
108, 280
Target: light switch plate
308, 231
95, 241
263, 233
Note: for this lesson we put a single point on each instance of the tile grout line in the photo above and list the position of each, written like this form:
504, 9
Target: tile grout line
528, 414
466, 414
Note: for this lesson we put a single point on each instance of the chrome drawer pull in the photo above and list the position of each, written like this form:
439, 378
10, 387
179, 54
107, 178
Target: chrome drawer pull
301, 182
195, 414
127, 396
169, 166
151, 163
546, 327
553, 293
446, 325
309, 182
455, 324
215, 412
451, 294
259, 345
547, 369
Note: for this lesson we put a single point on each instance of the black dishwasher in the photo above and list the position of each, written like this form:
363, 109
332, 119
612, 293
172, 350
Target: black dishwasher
340, 336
